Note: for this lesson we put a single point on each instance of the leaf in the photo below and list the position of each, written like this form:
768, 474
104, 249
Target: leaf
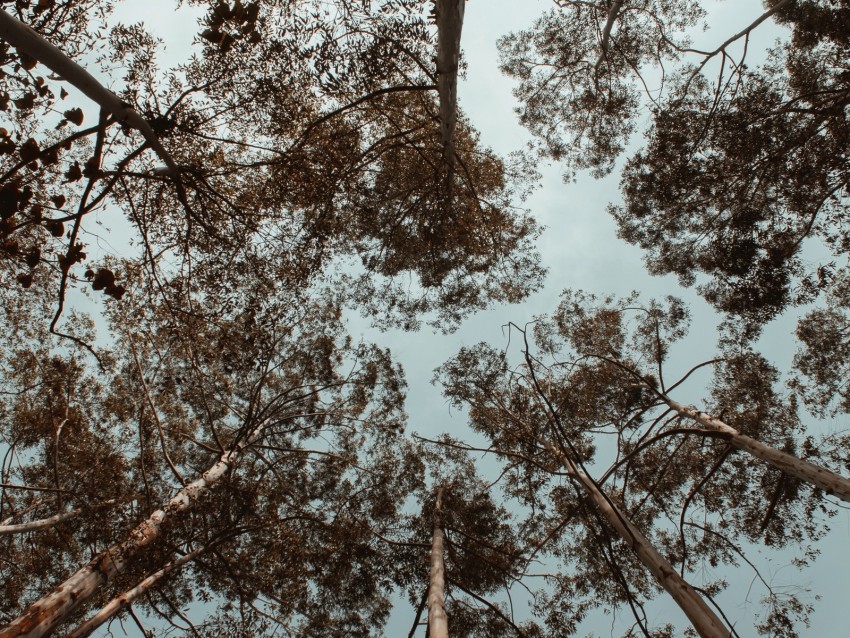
55, 228
212, 35
74, 172
115, 291
33, 257
26, 103
74, 116
28, 62
29, 150
103, 279
7, 147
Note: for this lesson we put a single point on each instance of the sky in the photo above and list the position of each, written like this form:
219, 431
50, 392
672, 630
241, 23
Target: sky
580, 247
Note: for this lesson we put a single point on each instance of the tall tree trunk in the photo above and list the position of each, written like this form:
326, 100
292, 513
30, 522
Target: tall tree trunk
829, 482
703, 619
42, 617
438, 626
449, 25
126, 599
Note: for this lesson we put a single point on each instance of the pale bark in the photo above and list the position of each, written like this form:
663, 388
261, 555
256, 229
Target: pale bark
613, 12
27, 41
29, 508
126, 599
42, 617
703, 619
437, 620
828, 481
31, 526
449, 25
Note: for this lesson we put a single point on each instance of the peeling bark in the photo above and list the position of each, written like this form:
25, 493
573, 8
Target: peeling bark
703, 619
828, 481
43, 616
437, 619
126, 599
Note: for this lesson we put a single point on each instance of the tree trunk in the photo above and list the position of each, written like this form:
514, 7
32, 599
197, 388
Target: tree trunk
449, 25
613, 12
829, 482
437, 621
42, 617
126, 599
703, 619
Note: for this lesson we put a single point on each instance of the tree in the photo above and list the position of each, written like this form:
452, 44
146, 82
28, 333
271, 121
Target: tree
757, 154
220, 402
322, 145
281, 399
437, 623
600, 370
309, 160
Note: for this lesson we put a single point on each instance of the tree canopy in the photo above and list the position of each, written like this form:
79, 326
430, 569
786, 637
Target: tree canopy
192, 440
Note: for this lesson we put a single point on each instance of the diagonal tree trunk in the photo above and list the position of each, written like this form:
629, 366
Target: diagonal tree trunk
449, 25
828, 481
437, 619
126, 599
43, 616
703, 619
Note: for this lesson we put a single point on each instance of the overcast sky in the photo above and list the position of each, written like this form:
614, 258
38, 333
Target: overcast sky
581, 250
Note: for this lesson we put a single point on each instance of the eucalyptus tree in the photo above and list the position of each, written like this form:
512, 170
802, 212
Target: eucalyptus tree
242, 428
821, 363
287, 131
743, 162
456, 550
601, 551
700, 489
266, 445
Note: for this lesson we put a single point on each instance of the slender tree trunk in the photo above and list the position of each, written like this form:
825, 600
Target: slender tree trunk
437, 620
126, 599
613, 12
25, 40
32, 526
449, 25
829, 482
42, 617
702, 617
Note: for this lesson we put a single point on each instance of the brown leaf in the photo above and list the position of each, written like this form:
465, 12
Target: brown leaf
28, 62
74, 172
33, 257
29, 150
103, 279
26, 103
74, 116
56, 228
